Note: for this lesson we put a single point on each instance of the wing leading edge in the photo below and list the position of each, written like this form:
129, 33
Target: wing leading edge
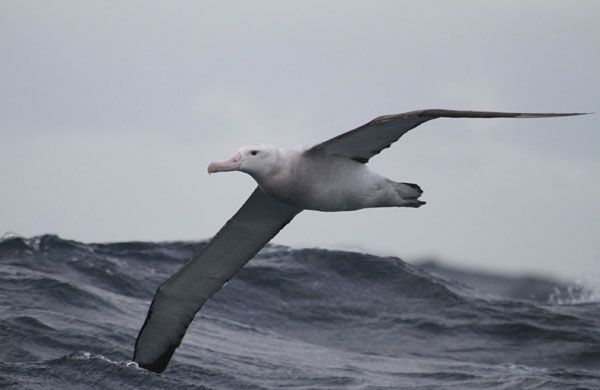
179, 298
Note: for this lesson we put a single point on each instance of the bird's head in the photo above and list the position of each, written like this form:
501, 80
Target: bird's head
257, 160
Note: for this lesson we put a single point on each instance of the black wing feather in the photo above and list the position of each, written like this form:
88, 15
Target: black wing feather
179, 298
371, 138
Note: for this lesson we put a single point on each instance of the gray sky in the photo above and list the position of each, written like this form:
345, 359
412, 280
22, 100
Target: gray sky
110, 112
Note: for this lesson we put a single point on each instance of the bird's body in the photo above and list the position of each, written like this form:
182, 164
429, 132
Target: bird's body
324, 182
330, 176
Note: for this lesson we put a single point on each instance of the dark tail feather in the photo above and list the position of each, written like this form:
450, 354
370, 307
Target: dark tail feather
415, 203
408, 191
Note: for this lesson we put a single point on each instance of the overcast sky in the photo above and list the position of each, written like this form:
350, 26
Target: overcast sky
110, 112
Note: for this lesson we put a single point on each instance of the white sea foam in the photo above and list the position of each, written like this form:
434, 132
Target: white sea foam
578, 292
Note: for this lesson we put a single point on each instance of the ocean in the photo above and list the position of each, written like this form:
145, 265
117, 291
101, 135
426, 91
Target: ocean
291, 318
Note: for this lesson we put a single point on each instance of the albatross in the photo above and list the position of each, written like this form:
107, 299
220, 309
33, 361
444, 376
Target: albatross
330, 176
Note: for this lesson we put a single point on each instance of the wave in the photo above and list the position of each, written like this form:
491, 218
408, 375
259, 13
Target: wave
287, 309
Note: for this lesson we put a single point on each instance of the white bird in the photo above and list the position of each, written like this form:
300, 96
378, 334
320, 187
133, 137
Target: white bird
331, 176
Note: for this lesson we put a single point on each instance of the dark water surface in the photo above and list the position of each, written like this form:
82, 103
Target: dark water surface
310, 318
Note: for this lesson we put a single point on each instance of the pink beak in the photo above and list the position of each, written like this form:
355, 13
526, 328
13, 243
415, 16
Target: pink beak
224, 166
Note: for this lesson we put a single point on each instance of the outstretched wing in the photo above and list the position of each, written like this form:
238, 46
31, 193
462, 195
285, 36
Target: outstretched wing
179, 298
368, 140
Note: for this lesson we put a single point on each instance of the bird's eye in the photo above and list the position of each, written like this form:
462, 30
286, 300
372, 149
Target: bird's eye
254, 152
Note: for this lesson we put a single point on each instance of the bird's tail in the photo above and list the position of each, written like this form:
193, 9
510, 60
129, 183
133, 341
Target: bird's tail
408, 190
409, 193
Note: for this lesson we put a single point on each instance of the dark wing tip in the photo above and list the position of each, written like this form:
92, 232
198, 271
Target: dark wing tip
159, 364
443, 113
551, 114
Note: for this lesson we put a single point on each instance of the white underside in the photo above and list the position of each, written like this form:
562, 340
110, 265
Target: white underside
329, 183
